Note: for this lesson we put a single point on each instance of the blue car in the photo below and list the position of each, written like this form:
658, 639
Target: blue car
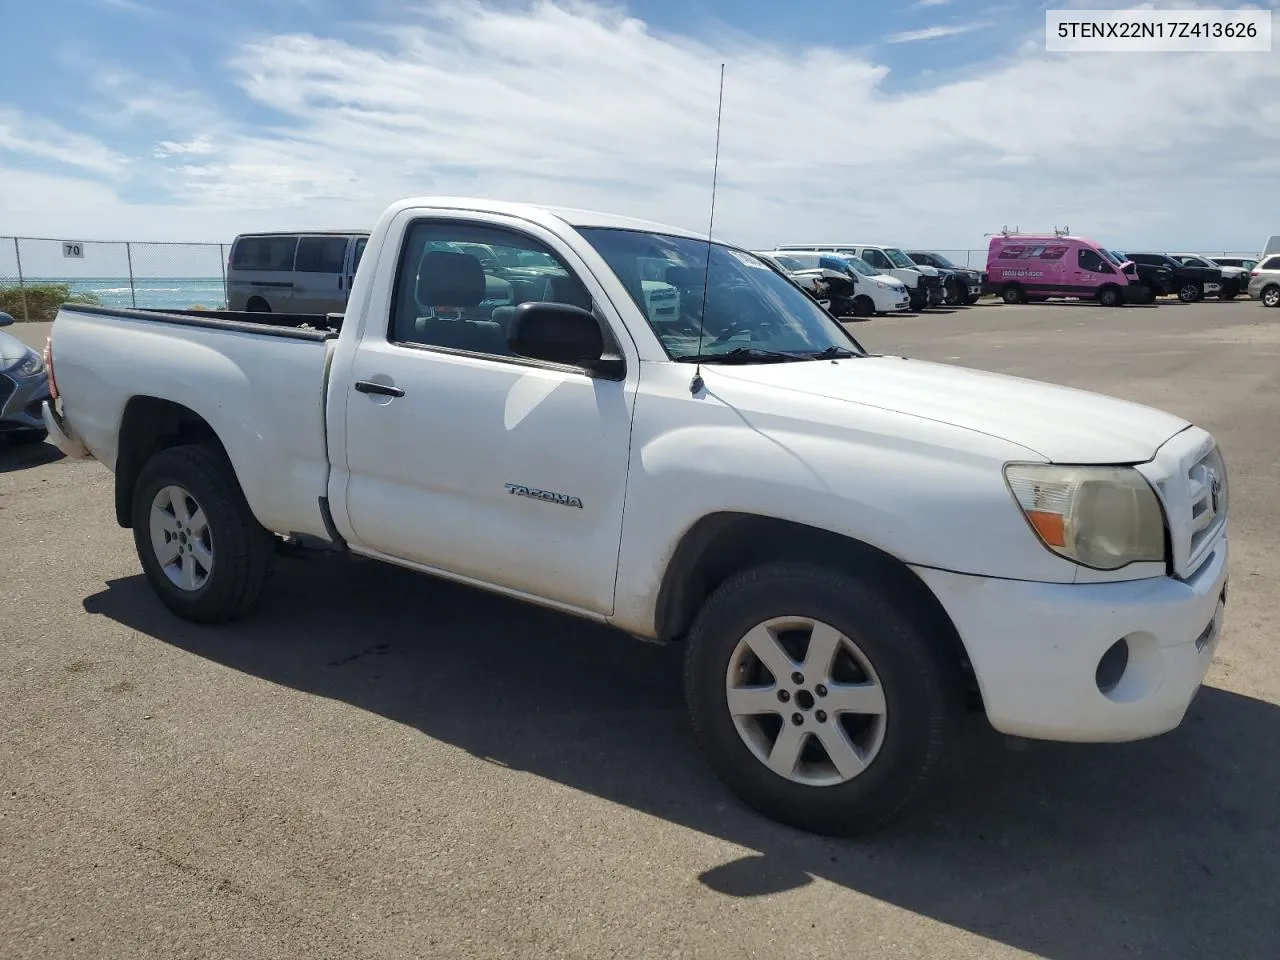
24, 387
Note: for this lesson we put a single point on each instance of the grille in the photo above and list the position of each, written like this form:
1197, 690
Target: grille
1207, 483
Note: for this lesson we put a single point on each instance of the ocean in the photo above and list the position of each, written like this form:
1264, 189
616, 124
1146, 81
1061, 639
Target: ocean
156, 293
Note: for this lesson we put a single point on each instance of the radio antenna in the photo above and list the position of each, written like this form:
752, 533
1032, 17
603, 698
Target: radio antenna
696, 384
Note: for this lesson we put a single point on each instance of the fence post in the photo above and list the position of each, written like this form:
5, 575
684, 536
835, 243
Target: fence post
128, 253
22, 285
222, 263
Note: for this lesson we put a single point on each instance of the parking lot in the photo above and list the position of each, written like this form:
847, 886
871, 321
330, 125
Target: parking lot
376, 764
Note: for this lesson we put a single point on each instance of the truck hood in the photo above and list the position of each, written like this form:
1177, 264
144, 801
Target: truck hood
1061, 424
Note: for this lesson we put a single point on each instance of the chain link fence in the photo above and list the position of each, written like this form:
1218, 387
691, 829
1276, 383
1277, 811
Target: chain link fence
38, 274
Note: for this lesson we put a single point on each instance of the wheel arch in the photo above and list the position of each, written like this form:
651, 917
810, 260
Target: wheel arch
149, 425
721, 545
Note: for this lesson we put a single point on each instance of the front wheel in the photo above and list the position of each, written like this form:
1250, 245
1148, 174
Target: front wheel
1110, 296
1013, 294
818, 701
201, 548
954, 294
1270, 297
863, 306
972, 298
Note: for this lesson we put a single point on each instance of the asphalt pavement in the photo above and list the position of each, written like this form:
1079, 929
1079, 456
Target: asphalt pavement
376, 764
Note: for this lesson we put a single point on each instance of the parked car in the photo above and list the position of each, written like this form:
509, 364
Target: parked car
293, 272
831, 287
962, 284
1264, 282
1235, 280
924, 284
1156, 280
24, 387
871, 291
1190, 281
1244, 263
1025, 267
802, 515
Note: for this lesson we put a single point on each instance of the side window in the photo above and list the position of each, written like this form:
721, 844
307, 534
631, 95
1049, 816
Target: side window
458, 285
264, 253
877, 259
321, 254
1272, 264
1090, 260
361, 243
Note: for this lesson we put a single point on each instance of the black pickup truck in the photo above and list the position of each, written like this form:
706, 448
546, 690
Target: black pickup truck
1189, 283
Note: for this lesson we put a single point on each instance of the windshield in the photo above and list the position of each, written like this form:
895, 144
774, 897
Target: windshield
861, 266
749, 305
1112, 256
935, 260
898, 258
1196, 261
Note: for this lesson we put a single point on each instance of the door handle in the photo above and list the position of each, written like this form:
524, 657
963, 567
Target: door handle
380, 389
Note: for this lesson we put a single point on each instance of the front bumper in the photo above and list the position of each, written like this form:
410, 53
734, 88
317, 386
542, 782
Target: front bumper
1036, 647
20, 401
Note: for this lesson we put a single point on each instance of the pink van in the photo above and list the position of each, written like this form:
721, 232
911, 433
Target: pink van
1022, 267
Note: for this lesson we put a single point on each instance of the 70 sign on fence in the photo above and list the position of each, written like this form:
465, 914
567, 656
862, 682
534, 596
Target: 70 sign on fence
73, 250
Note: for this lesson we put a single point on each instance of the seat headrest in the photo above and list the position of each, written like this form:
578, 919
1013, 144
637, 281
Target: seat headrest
448, 279
682, 277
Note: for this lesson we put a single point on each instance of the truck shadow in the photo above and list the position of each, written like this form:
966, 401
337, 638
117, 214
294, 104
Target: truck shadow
14, 456
1164, 848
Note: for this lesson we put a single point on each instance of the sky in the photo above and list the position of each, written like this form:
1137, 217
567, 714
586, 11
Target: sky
924, 123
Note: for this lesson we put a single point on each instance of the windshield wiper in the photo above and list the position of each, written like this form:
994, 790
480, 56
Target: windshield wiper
835, 353
744, 355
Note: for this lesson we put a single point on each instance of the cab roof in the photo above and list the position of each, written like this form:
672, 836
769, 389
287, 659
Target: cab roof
544, 215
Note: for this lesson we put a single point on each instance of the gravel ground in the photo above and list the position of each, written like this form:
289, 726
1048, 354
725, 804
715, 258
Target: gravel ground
379, 765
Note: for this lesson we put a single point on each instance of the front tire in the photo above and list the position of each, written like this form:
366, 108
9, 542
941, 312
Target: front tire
863, 306
1270, 296
818, 701
1012, 294
1110, 296
955, 293
201, 548
971, 299
1190, 292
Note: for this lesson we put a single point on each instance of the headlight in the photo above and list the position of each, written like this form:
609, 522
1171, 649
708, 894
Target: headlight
30, 366
1100, 517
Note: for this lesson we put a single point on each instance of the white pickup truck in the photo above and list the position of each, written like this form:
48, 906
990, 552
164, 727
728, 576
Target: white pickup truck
853, 548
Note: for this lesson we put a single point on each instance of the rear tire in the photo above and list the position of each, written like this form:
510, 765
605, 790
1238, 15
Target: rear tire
22, 438
257, 305
902, 700
211, 567
971, 299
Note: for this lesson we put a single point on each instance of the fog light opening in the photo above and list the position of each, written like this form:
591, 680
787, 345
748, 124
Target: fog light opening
1112, 666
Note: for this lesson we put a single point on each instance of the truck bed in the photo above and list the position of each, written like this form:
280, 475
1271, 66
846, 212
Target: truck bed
256, 379
302, 326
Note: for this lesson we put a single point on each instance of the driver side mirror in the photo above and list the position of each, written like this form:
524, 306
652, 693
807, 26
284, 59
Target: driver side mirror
5, 319
562, 333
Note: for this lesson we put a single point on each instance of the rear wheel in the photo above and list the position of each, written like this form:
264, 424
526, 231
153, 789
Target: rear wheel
1190, 292
1270, 296
204, 553
818, 701
1013, 293
258, 305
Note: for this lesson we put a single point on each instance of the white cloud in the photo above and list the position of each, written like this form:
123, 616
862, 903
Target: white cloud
932, 3
936, 32
41, 139
586, 106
